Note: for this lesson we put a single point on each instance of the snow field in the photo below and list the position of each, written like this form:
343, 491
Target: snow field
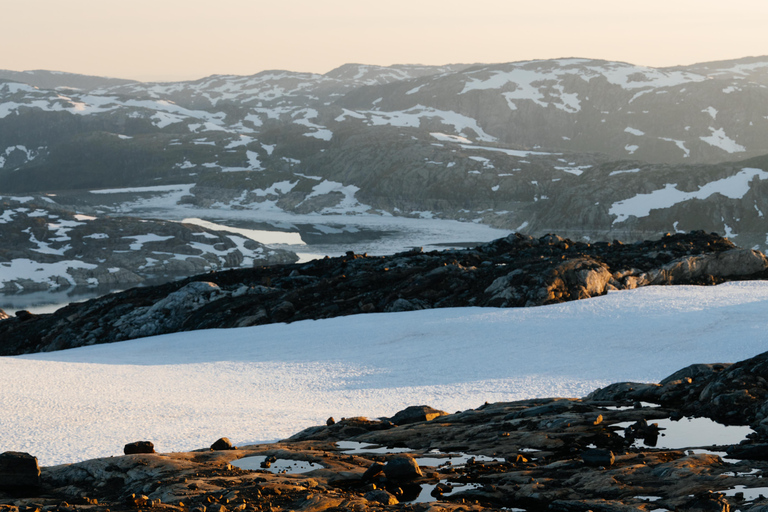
183, 391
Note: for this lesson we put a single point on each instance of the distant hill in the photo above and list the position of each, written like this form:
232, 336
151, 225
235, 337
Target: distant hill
566, 145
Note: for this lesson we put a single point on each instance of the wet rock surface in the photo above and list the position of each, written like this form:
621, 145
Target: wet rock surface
552, 454
514, 271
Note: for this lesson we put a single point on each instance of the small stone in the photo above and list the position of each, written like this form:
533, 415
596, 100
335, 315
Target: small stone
330, 421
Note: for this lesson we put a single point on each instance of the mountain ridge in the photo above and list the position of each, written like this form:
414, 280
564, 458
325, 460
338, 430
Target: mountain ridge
480, 142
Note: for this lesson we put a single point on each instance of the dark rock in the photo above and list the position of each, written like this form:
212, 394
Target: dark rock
440, 489
597, 457
416, 413
648, 433
374, 470
19, 472
758, 451
139, 447
24, 315
381, 496
707, 502
330, 421
223, 444
403, 467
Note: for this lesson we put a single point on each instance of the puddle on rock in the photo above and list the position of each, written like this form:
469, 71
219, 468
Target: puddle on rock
452, 459
750, 494
289, 466
425, 496
646, 405
354, 448
648, 498
692, 432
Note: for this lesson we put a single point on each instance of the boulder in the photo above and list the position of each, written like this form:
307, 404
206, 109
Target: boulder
19, 471
139, 447
373, 471
416, 413
403, 467
381, 496
597, 457
223, 444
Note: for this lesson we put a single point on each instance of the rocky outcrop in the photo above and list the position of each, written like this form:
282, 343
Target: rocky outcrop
733, 394
557, 454
47, 247
515, 271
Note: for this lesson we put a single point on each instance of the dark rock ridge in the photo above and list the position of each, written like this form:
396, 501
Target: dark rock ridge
515, 271
44, 246
544, 454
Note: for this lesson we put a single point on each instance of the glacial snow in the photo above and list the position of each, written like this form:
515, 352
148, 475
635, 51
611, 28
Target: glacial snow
183, 391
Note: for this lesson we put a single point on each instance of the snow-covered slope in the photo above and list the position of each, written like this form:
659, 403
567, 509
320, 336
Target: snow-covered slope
186, 390
502, 144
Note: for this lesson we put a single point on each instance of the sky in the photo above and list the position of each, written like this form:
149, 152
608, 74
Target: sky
188, 39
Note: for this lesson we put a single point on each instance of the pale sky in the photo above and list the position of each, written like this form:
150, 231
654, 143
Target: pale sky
189, 39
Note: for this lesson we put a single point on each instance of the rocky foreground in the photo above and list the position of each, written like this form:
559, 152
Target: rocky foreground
556, 454
515, 271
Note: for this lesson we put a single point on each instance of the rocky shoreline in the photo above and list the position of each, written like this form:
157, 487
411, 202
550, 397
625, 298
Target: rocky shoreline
605, 452
515, 271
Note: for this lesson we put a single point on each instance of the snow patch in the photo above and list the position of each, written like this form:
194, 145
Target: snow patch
733, 187
719, 139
